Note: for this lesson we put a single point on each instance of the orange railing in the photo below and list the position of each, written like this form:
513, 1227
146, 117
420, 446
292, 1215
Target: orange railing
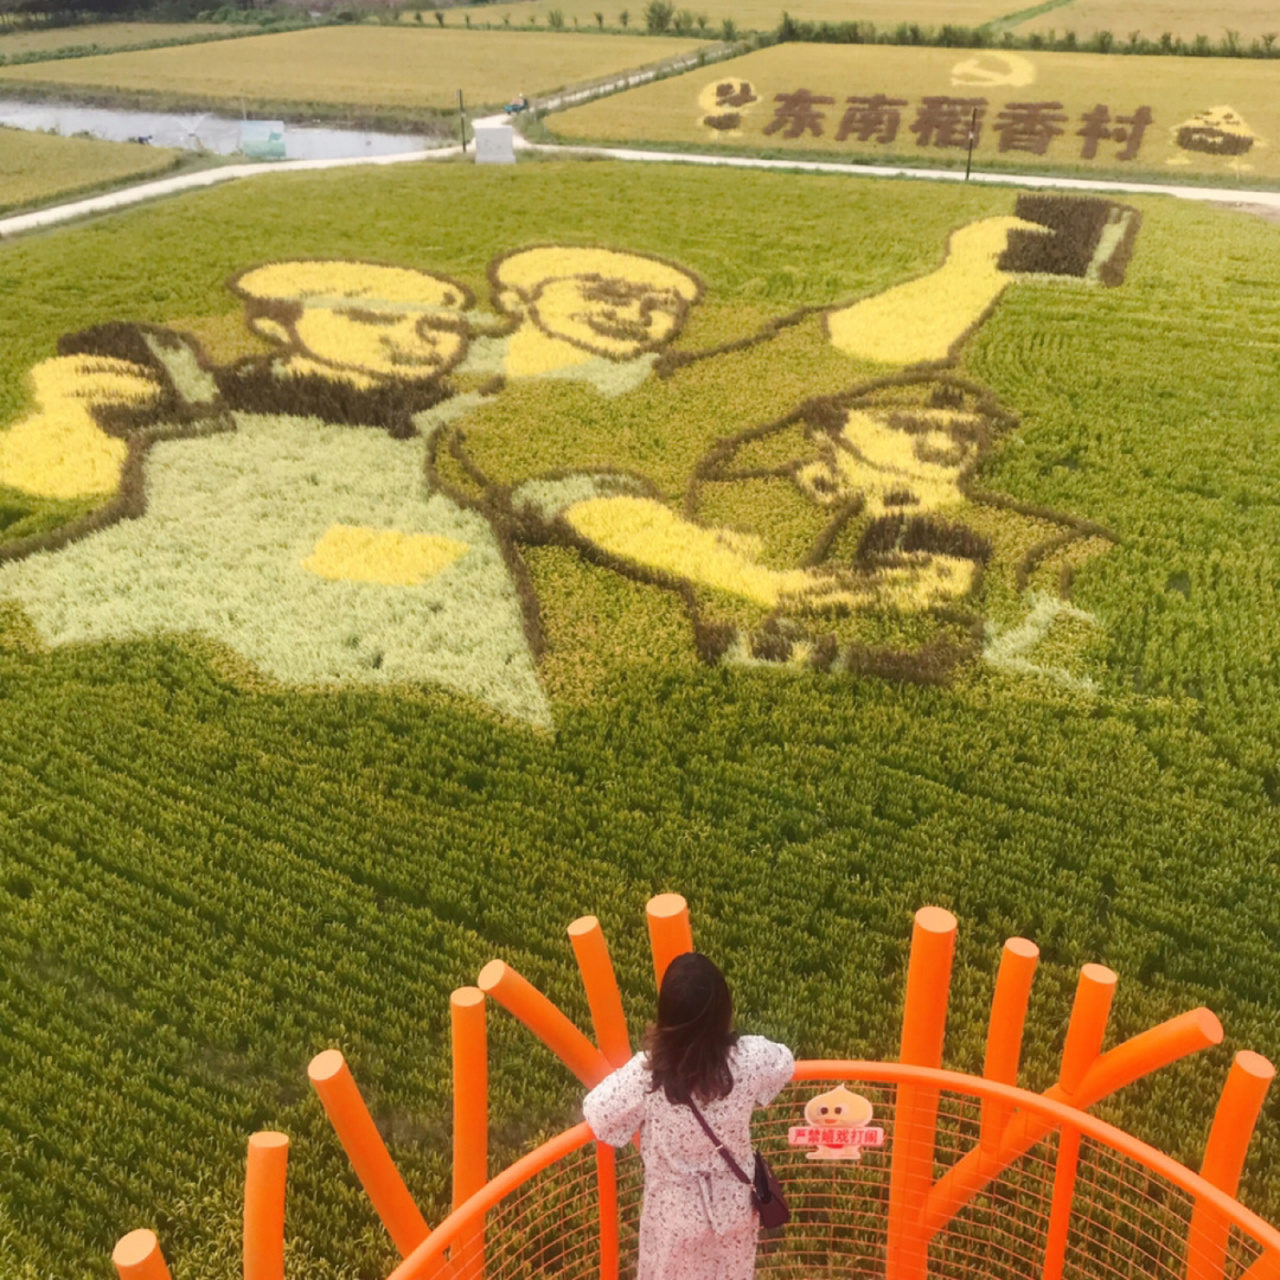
978, 1179
1130, 1213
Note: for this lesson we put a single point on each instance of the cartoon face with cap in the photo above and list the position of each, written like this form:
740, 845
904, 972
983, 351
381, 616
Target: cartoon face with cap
360, 320
575, 305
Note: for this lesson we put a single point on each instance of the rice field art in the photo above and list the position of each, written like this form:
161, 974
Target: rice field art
1198, 119
851, 533
393, 566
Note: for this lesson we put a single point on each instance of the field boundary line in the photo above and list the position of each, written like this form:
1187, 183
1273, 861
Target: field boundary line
126, 197
1213, 195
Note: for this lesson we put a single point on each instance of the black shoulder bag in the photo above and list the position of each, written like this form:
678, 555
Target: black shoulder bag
766, 1190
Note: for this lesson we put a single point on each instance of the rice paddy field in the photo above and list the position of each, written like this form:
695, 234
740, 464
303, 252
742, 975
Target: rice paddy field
36, 167
361, 68
105, 35
394, 568
1185, 19
758, 15
1204, 118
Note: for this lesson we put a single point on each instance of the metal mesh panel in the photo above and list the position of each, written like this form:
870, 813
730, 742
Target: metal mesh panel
1127, 1220
550, 1226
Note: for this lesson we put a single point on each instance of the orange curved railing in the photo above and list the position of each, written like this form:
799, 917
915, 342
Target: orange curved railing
1134, 1212
978, 1179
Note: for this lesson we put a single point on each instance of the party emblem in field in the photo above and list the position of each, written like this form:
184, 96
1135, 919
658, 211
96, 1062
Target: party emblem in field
725, 103
357, 502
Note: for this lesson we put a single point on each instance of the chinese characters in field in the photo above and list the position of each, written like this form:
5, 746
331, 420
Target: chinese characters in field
943, 121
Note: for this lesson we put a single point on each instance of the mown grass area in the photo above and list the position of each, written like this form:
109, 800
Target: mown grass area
1184, 19
360, 68
748, 15
38, 167
205, 878
1069, 89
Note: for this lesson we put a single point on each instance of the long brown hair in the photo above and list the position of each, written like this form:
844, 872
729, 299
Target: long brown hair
688, 1046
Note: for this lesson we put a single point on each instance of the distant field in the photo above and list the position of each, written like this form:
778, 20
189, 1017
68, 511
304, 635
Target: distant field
360, 67
758, 15
1059, 99
35, 167
107, 35
1184, 19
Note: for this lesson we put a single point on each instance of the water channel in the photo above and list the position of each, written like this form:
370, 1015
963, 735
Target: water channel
201, 131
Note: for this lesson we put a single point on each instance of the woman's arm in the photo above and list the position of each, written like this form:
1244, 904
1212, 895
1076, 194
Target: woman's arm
615, 1108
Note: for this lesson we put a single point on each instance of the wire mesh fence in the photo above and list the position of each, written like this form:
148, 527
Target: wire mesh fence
1122, 1216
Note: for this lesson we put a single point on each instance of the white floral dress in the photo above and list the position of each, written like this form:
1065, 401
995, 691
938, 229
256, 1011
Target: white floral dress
698, 1222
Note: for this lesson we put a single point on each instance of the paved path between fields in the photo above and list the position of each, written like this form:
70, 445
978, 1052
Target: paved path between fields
1262, 202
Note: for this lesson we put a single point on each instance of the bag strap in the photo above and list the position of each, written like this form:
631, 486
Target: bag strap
720, 1147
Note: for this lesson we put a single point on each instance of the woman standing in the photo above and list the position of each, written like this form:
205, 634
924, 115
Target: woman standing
698, 1220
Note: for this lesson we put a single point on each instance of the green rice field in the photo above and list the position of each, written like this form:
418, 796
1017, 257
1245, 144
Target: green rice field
262, 796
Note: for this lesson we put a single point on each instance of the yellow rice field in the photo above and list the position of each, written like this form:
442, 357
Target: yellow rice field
106, 35
748, 15
1184, 19
356, 66
1176, 117
35, 167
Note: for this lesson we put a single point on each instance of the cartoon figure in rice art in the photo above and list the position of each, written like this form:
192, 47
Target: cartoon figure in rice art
276, 505
354, 503
851, 531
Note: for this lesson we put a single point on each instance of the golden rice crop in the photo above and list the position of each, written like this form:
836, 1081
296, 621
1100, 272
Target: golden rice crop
1173, 116
106, 35
1184, 19
758, 15
36, 167
356, 67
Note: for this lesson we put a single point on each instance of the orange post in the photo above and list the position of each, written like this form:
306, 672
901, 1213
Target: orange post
1095, 990
366, 1150
1018, 963
470, 1116
933, 942
607, 1182
137, 1256
266, 1170
670, 933
601, 984
1238, 1107
1149, 1051
524, 1001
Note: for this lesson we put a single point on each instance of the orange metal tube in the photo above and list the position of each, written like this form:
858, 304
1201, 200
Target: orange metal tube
138, 1256
470, 1116
933, 941
367, 1152
1018, 963
607, 1181
524, 1001
601, 984
1064, 1192
1265, 1267
1233, 1122
670, 933
1148, 1051
266, 1172
1095, 990
1136, 1057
